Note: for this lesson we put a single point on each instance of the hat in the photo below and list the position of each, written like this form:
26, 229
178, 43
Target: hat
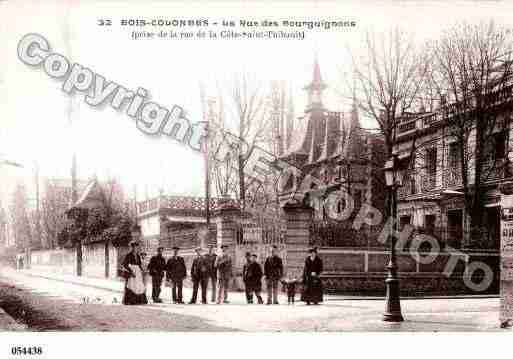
312, 250
254, 255
176, 248
274, 246
248, 254
160, 248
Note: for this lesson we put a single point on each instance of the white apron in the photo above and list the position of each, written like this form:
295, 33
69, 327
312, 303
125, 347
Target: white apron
136, 284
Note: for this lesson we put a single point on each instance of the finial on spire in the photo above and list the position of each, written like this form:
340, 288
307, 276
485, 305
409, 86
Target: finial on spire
315, 87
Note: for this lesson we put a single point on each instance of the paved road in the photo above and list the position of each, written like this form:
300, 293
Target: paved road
334, 315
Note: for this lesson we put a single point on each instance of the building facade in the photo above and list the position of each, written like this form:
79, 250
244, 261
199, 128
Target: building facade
432, 196
334, 153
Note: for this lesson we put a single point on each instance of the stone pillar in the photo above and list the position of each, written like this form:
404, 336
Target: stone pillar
506, 255
227, 221
297, 218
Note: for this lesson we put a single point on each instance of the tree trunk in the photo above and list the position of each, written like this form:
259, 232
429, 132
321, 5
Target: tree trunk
79, 258
242, 183
107, 259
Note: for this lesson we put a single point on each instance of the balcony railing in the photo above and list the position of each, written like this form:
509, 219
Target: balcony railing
429, 182
409, 122
406, 126
432, 118
452, 177
493, 170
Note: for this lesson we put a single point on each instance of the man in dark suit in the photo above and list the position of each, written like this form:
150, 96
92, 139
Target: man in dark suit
156, 268
273, 271
254, 279
176, 272
247, 287
199, 276
210, 257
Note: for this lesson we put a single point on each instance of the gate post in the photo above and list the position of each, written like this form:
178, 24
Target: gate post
226, 219
506, 256
298, 217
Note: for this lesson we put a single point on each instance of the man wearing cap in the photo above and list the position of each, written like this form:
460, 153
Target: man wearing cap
156, 268
176, 272
224, 270
273, 271
247, 286
254, 279
199, 276
210, 258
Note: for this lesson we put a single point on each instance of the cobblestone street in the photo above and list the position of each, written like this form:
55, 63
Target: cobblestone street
50, 304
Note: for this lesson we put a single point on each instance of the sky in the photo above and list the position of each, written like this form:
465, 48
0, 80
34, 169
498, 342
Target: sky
34, 123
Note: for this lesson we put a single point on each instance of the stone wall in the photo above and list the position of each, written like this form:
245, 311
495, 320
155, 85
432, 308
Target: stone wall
57, 261
93, 261
362, 272
63, 261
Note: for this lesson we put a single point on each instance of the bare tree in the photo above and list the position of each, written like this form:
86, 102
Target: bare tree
389, 80
20, 218
243, 113
54, 204
471, 74
114, 209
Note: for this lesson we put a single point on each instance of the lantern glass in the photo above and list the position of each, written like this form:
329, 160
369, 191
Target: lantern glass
389, 173
399, 176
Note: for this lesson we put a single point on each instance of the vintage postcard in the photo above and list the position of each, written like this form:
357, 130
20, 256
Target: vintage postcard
262, 167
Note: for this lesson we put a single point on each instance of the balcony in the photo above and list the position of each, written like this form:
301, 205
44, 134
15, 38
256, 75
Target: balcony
452, 177
493, 170
428, 182
406, 127
432, 119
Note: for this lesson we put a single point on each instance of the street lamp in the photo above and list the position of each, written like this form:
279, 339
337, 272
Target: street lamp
393, 179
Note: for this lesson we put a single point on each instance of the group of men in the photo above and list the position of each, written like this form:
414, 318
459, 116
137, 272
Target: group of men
216, 269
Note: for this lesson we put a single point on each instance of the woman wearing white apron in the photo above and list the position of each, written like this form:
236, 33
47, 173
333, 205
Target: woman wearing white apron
135, 290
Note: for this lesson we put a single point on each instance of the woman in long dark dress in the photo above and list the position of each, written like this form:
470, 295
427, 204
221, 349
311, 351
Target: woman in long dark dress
312, 292
135, 290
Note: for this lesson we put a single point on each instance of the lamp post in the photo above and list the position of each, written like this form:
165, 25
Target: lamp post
393, 178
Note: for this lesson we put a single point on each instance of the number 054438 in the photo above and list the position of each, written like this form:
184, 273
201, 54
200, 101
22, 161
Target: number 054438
21, 350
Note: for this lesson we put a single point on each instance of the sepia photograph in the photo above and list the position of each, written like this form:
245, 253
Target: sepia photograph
259, 167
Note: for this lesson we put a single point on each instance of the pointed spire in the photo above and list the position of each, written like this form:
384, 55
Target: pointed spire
317, 79
315, 88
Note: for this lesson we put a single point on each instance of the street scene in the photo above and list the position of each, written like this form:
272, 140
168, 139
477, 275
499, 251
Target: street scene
96, 305
360, 179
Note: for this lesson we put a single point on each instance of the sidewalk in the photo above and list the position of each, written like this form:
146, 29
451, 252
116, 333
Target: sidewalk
117, 286
337, 313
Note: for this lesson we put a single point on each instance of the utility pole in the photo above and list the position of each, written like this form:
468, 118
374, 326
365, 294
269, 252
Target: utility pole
208, 113
38, 204
209, 118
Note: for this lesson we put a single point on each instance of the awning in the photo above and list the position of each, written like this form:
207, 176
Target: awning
452, 192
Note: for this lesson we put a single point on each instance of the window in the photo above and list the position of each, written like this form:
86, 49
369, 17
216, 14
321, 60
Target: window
357, 196
454, 155
403, 221
499, 142
429, 222
431, 167
454, 227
